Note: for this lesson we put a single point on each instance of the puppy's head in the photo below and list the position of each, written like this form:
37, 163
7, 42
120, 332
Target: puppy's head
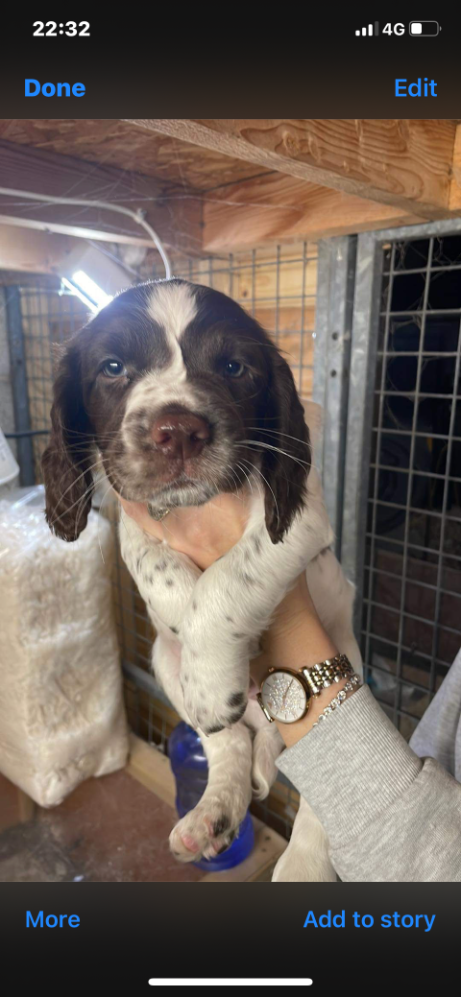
184, 396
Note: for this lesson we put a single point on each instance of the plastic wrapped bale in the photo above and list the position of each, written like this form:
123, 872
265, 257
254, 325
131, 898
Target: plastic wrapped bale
62, 717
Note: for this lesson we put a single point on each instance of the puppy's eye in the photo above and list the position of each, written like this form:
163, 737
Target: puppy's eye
113, 368
234, 369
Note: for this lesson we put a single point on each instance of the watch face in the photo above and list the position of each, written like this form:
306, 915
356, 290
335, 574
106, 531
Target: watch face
284, 696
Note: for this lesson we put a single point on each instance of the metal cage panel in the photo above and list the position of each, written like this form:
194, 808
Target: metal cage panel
402, 502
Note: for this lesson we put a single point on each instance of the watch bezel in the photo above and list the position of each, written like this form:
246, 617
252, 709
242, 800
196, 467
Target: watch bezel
295, 675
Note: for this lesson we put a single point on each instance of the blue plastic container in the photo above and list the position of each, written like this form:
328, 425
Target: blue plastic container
190, 769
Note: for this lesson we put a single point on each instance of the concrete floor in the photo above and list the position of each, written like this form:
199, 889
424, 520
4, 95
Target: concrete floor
109, 830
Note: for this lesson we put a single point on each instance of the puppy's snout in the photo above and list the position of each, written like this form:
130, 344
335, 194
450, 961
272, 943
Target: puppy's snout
181, 435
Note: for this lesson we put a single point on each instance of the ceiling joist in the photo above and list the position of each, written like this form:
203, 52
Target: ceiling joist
405, 163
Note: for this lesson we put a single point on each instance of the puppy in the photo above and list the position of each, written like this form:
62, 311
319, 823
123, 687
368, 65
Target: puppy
182, 396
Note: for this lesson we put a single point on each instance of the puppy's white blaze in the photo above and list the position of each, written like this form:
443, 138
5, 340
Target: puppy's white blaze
172, 307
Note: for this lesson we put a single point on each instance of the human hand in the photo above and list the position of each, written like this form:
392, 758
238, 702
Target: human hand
204, 533
207, 532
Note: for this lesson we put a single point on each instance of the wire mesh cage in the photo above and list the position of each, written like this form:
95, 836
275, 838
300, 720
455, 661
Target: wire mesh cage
411, 624
278, 287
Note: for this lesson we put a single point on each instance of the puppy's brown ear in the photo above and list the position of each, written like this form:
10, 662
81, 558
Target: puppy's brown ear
286, 451
67, 459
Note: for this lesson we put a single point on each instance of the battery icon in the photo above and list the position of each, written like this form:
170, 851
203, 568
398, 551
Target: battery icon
424, 29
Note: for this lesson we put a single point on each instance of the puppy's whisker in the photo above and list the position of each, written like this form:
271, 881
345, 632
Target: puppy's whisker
79, 514
268, 446
88, 491
76, 480
76, 463
81, 498
278, 432
300, 462
247, 476
99, 524
84, 435
267, 483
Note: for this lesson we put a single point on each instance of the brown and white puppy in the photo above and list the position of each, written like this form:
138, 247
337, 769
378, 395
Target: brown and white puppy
169, 381
183, 396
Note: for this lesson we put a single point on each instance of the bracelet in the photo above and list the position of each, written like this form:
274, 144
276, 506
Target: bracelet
352, 685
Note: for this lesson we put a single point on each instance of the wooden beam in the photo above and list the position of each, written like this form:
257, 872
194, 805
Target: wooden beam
455, 191
406, 163
276, 208
176, 219
28, 251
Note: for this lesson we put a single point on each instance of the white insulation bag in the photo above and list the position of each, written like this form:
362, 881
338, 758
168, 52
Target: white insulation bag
62, 717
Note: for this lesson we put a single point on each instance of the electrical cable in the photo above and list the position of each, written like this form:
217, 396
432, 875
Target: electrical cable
137, 216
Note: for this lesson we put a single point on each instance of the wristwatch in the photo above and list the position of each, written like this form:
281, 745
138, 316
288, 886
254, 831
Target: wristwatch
286, 695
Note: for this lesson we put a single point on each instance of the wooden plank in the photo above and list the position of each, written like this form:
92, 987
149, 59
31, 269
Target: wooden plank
29, 251
275, 208
177, 220
455, 191
152, 769
117, 143
406, 163
26, 807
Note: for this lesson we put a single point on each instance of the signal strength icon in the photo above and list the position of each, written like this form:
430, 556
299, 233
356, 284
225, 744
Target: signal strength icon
368, 31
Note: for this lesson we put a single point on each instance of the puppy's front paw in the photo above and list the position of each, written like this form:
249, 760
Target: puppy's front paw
204, 832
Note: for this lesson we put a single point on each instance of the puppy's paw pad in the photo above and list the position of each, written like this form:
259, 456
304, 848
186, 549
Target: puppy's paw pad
199, 835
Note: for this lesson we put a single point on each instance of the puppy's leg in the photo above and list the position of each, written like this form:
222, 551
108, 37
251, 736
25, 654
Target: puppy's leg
212, 825
231, 606
267, 745
165, 578
306, 858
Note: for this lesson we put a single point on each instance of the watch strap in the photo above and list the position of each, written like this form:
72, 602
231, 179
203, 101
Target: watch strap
324, 673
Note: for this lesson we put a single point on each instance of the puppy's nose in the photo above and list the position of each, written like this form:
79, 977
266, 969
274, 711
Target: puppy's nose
180, 435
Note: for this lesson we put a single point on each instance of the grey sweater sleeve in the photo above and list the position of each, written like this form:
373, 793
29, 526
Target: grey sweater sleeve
389, 815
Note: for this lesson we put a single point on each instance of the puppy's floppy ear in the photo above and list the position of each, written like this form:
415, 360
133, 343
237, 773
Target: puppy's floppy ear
285, 472
67, 459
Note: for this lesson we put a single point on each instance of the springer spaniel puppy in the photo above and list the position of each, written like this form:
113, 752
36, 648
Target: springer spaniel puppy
181, 395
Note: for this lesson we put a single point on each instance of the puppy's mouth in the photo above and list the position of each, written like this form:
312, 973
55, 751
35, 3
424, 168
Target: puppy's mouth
180, 489
178, 481
180, 458
179, 493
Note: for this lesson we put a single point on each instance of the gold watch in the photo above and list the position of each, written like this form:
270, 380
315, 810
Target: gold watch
285, 695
